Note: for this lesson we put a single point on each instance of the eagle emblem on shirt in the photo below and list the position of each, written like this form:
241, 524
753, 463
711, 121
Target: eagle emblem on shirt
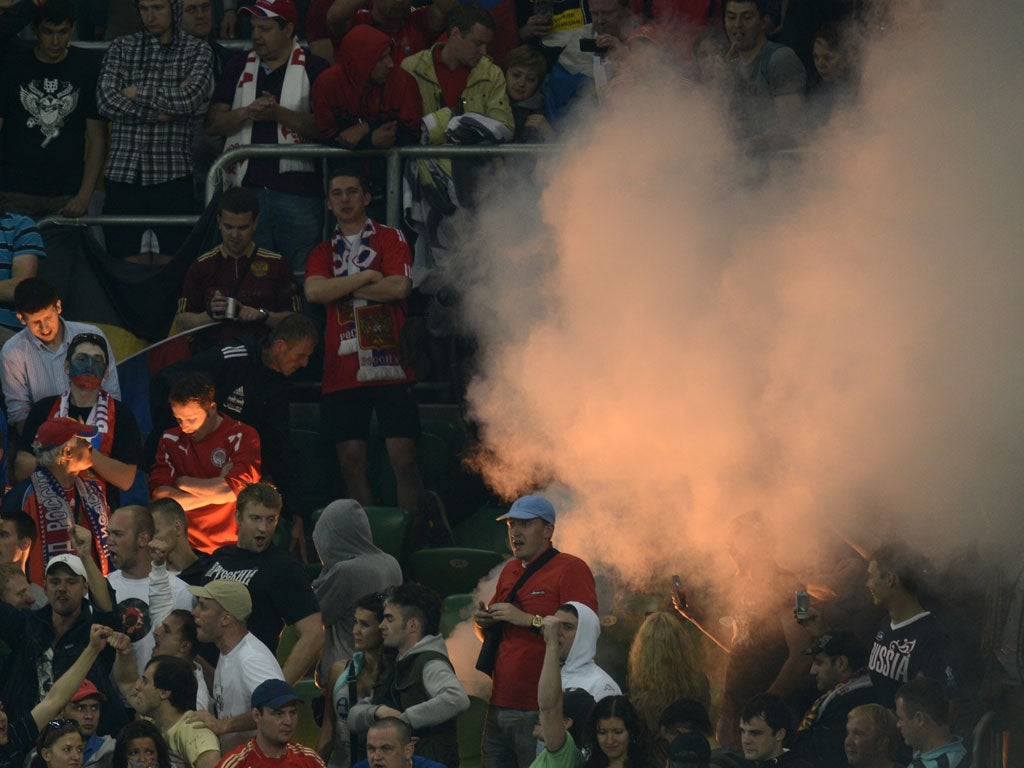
48, 103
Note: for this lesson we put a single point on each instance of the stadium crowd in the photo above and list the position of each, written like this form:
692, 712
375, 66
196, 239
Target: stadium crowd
146, 592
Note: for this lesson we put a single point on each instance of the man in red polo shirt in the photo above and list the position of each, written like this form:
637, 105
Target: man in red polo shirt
204, 462
512, 711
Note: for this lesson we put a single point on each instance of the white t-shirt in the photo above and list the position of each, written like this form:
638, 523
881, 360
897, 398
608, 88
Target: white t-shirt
143, 604
238, 673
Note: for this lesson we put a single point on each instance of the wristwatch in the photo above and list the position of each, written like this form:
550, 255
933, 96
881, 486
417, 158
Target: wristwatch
536, 623
264, 313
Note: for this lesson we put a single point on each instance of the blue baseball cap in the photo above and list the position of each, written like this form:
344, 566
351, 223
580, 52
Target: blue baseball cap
529, 507
273, 694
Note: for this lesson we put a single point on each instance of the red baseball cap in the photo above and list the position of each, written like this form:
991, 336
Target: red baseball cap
269, 9
54, 432
86, 689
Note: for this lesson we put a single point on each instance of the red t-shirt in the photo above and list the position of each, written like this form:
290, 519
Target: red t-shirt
249, 755
393, 257
521, 653
452, 81
177, 455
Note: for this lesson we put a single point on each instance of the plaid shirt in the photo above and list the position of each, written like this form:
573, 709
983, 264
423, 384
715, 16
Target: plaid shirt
143, 149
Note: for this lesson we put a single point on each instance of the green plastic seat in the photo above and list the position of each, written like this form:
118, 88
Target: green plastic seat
307, 731
453, 570
456, 609
315, 465
391, 528
469, 730
452, 432
482, 531
285, 643
436, 463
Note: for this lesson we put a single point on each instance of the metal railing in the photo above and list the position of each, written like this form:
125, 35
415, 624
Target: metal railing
393, 192
118, 219
231, 45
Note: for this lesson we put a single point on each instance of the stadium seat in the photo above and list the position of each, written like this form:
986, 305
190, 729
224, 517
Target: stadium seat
456, 609
286, 643
315, 465
449, 430
307, 731
482, 531
435, 461
391, 528
453, 570
469, 727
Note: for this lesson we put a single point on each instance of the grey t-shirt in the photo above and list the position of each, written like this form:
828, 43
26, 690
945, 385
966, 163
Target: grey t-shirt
775, 72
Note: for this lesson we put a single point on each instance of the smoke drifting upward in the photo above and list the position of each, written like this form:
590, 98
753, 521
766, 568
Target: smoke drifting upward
840, 344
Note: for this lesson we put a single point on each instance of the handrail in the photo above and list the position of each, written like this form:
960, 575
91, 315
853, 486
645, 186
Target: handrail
393, 193
393, 155
117, 219
986, 751
102, 45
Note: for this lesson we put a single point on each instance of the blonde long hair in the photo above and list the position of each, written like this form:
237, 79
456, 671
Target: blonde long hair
665, 663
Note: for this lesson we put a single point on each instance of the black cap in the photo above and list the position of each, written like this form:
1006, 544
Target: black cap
690, 748
838, 642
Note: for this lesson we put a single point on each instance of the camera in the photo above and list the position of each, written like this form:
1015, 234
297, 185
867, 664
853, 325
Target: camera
589, 45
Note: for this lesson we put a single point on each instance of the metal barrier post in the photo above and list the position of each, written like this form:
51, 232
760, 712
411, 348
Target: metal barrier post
394, 189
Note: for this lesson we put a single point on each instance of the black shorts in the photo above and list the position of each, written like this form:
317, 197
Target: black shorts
346, 415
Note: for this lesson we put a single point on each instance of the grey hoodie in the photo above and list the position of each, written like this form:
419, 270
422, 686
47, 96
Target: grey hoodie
353, 567
579, 669
447, 700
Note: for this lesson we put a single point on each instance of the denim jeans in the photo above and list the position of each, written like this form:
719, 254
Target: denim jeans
291, 225
508, 738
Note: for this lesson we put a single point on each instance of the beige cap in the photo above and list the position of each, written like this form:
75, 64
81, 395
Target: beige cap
233, 596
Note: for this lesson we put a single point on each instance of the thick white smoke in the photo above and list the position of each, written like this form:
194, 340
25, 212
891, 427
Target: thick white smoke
676, 342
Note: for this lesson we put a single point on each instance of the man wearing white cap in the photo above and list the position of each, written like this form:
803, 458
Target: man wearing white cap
262, 97
221, 617
531, 586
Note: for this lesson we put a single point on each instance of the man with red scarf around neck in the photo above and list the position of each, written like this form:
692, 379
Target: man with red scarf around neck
117, 447
59, 495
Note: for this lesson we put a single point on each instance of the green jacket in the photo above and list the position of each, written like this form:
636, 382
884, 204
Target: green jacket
484, 93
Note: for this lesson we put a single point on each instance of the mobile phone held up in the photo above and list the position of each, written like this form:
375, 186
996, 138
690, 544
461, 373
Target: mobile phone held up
589, 45
801, 605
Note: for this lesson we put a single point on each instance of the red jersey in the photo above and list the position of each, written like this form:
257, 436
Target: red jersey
249, 755
391, 257
263, 280
521, 652
177, 455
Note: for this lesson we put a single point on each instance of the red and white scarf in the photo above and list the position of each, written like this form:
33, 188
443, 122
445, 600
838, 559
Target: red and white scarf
103, 415
367, 327
56, 516
294, 96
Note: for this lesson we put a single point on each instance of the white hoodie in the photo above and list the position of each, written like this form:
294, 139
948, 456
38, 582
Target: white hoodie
579, 670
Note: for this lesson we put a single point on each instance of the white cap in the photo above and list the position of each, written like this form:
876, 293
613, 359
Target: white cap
74, 562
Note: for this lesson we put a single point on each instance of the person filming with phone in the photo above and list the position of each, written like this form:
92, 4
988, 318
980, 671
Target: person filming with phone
591, 52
